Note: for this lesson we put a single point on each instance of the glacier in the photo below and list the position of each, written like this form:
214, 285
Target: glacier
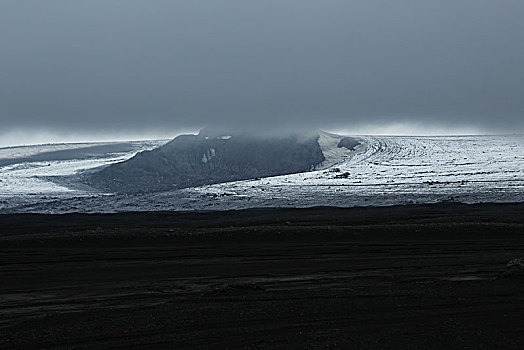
383, 170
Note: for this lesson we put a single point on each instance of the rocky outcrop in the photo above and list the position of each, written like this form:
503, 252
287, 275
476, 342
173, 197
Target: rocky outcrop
348, 142
514, 268
208, 158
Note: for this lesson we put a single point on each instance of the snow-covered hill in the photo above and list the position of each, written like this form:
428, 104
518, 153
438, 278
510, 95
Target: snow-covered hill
381, 171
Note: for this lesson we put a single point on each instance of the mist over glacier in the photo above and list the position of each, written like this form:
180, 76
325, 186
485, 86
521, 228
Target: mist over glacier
129, 70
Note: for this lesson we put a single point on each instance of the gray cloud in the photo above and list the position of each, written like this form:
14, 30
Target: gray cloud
126, 65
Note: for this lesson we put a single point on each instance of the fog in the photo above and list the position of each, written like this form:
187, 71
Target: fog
107, 70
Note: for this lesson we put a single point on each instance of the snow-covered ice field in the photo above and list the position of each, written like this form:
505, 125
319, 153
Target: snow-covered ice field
385, 170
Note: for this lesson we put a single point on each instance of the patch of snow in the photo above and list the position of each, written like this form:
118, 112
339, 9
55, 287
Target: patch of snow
206, 157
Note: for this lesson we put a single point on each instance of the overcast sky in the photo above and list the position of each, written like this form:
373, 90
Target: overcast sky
153, 68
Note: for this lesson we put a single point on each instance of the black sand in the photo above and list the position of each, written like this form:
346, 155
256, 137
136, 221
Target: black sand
407, 277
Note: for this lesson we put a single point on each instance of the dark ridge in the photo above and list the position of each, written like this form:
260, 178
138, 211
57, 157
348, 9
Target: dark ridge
208, 158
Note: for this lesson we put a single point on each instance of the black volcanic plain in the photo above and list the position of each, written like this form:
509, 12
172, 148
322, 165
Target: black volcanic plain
404, 277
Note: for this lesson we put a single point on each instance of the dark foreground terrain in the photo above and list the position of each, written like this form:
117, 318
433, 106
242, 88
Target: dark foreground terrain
398, 277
